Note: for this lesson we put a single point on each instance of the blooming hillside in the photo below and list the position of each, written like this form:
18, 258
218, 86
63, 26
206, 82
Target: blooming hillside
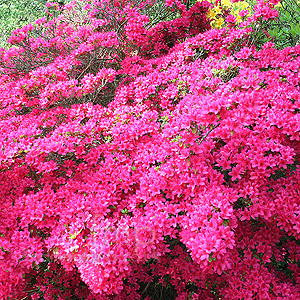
149, 160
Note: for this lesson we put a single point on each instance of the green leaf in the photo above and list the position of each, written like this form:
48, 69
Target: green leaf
125, 211
287, 16
295, 29
225, 222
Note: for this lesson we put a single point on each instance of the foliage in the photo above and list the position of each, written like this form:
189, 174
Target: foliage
16, 14
146, 159
286, 30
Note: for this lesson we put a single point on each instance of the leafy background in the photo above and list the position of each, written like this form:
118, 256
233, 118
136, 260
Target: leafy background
284, 32
17, 13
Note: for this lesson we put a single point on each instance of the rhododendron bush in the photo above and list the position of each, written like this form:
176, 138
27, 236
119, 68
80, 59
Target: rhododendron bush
149, 160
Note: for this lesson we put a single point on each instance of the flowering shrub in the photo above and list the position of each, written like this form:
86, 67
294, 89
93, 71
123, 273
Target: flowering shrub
143, 162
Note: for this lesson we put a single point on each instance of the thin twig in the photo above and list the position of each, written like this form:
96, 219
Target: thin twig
145, 289
204, 137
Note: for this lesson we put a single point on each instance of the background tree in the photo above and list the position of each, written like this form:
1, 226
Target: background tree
17, 13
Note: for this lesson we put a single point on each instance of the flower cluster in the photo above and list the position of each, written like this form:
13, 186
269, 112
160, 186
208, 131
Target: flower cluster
135, 157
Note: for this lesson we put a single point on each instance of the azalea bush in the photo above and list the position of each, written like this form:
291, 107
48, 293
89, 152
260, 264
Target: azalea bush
149, 156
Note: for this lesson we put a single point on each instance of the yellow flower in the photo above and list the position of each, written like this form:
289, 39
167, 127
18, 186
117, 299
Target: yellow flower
219, 22
241, 5
226, 4
238, 7
279, 5
238, 18
211, 14
217, 9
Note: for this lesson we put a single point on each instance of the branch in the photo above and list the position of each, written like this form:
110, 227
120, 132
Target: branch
204, 137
